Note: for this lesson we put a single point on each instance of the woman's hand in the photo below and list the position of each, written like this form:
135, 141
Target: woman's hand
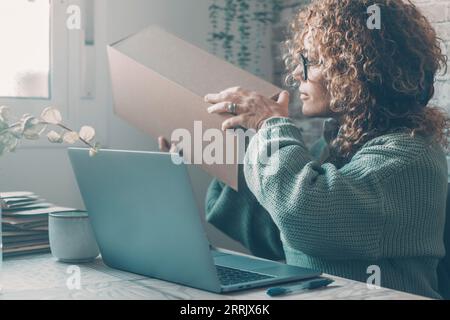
165, 146
252, 109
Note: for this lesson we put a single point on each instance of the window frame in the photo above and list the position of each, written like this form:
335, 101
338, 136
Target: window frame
58, 75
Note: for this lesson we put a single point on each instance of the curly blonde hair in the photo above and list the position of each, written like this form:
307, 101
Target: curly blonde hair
379, 81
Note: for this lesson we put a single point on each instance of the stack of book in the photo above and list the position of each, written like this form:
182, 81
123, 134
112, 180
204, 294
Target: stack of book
25, 223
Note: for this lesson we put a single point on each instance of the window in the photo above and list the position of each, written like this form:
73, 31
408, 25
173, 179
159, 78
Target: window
42, 60
33, 55
34, 59
25, 48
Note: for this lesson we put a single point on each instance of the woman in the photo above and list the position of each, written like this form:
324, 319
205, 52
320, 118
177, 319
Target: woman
375, 196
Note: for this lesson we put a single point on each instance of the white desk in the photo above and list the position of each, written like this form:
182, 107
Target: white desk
42, 277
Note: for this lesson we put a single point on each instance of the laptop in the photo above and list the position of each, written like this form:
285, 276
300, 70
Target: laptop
146, 221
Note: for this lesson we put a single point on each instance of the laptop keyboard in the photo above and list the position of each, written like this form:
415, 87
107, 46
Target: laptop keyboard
230, 276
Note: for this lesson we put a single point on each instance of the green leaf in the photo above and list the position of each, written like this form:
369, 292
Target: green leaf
4, 113
31, 127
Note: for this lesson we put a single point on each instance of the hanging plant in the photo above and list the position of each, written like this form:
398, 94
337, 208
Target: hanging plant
249, 23
230, 14
224, 36
214, 11
244, 34
261, 28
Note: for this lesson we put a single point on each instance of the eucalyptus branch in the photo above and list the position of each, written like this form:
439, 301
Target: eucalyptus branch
69, 130
10, 127
81, 139
31, 128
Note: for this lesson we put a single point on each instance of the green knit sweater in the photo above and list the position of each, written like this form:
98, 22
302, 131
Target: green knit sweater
386, 207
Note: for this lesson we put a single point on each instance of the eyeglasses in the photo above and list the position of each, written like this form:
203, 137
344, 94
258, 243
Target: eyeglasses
306, 63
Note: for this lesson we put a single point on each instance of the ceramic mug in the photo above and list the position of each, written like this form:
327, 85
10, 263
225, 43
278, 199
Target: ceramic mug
71, 236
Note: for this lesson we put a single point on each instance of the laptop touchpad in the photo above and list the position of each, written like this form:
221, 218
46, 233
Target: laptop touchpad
239, 262
284, 270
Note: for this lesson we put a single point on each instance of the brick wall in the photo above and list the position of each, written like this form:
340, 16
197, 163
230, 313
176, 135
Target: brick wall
438, 11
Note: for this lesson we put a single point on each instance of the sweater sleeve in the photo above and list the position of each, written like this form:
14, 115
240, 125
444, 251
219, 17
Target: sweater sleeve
319, 149
320, 210
241, 217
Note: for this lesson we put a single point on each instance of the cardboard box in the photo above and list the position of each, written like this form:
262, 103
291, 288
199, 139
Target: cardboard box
159, 82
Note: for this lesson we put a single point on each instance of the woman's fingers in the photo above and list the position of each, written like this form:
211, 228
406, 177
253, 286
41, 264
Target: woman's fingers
231, 94
174, 148
283, 99
222, 107
251, 107
219, 107
219, 97
163, 144
232, 123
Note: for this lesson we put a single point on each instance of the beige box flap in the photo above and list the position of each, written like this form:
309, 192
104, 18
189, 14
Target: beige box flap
159, 82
